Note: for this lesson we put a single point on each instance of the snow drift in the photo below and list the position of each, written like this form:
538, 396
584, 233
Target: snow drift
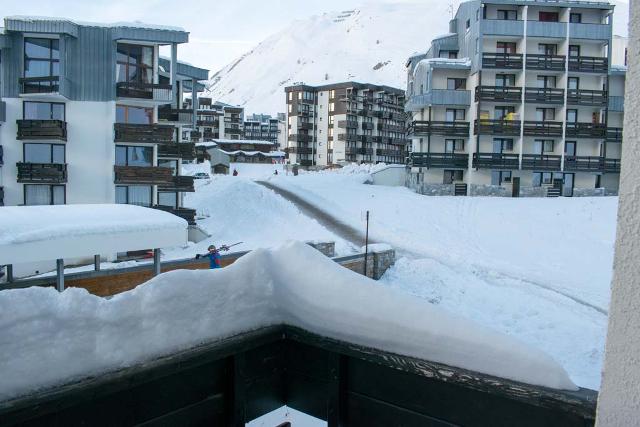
49, 338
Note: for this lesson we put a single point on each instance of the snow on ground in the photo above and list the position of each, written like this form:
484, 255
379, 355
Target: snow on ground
236, 209
537, 269
293, 284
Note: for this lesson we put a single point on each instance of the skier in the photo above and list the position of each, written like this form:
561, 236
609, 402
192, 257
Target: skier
214, 256
235, 172
276, 172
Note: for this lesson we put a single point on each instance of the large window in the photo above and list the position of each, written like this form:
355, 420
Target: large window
452, 145
171, 164
544, 114
548, 16
456, 84
505, 80
134, 194
134, 115
134, 63
44, 153
454, 114
43, 110
41, 57
507, 15
37, 194
504, 112
128, 155
500, 177
451, 176
547, 49
168, 199
505, 47
547, 82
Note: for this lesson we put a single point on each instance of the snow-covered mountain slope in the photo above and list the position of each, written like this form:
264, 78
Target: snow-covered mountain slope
368, 44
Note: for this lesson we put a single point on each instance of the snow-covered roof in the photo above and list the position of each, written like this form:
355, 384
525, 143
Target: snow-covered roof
461, 63
44, 233
243, 141
123, 24
293, 285
255, 153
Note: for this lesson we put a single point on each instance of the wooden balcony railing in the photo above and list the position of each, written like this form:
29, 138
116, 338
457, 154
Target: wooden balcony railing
614, 134
499, 94
42, 129
541, 162
544, 95
586, 130
591, 164
183, 150
439, 160
546, 62
496, 161
598, 98
175, 115
187, 214
46, 84
42, 173
502, 60
128, 132
542, 128
588, 64
348, 124
455, 128
180, 183
497, 127
148, 91
143, 175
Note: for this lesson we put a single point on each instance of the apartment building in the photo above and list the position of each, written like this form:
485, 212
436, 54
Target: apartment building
521, 97
91, 113
345, 122
215, 120
261, 127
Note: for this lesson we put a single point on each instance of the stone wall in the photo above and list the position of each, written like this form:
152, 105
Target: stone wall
326, 248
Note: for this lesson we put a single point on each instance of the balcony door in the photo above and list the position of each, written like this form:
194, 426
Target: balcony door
455, 114
547, 49
32, 110
545, 114
41, 64
546, 82
504, 112
505, 47
505, 80
570, 148
567, 184
134, 63
44, 153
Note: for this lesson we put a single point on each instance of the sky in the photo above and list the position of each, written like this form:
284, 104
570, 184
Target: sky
220, 31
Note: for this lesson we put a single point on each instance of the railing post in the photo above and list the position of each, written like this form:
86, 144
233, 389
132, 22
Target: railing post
96, 262
60, 275
9, 273
156, 262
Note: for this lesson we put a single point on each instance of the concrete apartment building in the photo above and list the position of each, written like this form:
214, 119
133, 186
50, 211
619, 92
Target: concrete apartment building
262, 127
345, 122
90, 114
215, 120
520, 94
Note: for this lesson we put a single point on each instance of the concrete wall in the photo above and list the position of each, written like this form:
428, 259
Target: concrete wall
619, 400
392, 175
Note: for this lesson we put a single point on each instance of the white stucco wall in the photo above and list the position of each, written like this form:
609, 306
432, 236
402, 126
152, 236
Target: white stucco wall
619, 400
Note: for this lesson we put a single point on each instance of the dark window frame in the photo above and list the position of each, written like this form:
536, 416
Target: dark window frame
51, 104
573, 15
64, 150
548, 16
128, 64
127, 153
506, 15
506, 47
459, 83
136, 185
51, 60
64, 193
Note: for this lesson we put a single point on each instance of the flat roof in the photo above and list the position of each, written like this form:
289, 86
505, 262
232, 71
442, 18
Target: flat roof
45, 233
348, 84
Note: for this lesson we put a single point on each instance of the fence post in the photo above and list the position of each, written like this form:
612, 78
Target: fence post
9, 273
96, 262
60, 274
156, 262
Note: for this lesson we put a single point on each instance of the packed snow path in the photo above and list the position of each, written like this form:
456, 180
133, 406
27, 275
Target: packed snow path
334, 225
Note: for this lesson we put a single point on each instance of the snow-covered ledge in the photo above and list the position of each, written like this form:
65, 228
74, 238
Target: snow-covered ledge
619, 400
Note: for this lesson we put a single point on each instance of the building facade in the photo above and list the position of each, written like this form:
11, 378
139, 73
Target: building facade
215, 120
520, 94
261, 127
92, 114
345, 122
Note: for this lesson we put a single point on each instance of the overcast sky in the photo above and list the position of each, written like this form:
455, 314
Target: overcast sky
220, 30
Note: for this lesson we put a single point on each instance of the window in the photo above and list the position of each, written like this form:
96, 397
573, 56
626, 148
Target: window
451, 145
454, 114
42, 59
548, 16
450, 176
547, 82
574, 83
134, 63
43, 153
134, 115
467, 24
168, 199
505, 47
453, 54
507, 15
503, 144
505, 80
290, 96
570, 148
171, 164
547, 146
572, 116
500, 177
504, 112
43, 110
547, 49
456, 84
544, 114
542, 178
127, 155
37, 194
134, 194
332, 107
575, 18
574, 50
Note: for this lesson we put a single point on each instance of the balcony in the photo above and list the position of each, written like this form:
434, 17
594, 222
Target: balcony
149, 175
542, 128
42, 130
188, 215
496, 161
179, 183
616, 104
301, 138
300, 150
509, 61
439, 160
156, 92
367, 126
175, 115
433, 97
556, 30
497, 127
155, 134
420, 128
501, 27
39, 85
591, 164
544, 95
385, 127
347, 137
590, 31
546, 62
305, 125
42, 173
596, 98
360, 151
369, 139
232, 131
586, 130
588, 64
389, 153
182, 150
541, 162
348, 124
395, 141
499, 94
614, 135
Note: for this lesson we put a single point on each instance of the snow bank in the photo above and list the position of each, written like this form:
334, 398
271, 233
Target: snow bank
52, 338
